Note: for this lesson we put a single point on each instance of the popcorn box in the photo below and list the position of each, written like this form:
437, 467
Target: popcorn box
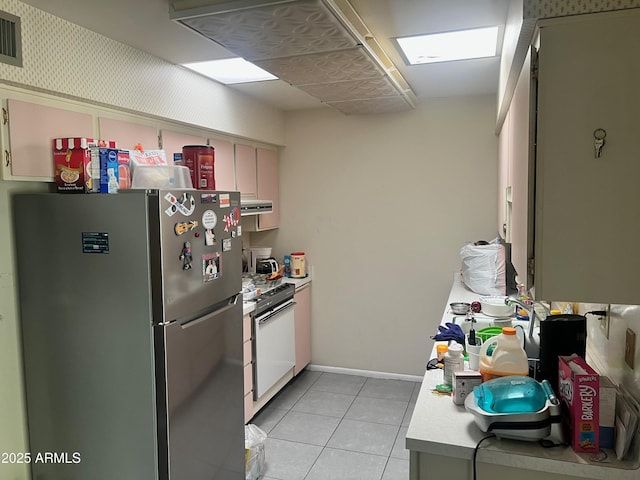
77, 165
579, 386
463, 383
115, 170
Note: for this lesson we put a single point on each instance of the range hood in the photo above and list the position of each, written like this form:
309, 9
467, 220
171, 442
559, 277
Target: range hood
251, 206
321, 47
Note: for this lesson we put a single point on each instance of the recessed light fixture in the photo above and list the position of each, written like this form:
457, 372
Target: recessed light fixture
231, 70
448, 46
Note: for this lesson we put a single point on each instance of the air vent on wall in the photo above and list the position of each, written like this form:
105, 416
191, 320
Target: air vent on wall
10, 39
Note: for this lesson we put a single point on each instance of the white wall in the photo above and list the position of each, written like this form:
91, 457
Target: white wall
381, 205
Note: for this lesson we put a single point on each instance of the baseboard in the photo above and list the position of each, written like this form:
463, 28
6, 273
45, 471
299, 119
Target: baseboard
365, 373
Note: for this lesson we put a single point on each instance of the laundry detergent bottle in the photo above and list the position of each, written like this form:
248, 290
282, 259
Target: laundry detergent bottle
503, 355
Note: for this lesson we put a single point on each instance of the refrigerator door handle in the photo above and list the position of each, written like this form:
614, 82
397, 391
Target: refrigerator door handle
230, 304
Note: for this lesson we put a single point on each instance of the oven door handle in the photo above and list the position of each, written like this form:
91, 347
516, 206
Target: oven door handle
277, 311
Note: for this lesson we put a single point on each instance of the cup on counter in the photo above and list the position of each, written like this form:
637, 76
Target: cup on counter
473, 352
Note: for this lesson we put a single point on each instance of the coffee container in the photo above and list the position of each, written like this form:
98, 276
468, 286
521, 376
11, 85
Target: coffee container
298, 265
200, 159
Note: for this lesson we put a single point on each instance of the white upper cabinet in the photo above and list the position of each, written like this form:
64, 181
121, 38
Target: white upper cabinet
586, 221
28, 131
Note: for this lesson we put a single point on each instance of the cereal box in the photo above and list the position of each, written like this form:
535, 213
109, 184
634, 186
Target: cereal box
579, 386
115, 170
76, 164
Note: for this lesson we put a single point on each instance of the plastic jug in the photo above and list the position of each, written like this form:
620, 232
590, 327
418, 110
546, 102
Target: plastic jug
508, 357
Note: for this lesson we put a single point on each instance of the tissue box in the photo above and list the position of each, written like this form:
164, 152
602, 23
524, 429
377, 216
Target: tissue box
579, 386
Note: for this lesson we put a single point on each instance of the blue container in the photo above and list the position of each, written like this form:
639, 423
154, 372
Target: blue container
287, 265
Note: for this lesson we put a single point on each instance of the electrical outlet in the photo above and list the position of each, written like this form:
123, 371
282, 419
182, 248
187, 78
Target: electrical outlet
604, 321
630, 348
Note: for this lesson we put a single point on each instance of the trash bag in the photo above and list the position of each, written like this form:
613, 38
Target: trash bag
254, 456
483, 267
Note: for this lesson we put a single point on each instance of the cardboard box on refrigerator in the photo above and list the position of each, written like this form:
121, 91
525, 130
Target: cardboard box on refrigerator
115, 170
77, 164
579, 391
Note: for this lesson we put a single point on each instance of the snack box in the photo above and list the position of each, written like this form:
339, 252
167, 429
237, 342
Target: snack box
607, 412
77, 165
463, 383
115, 170
579, 387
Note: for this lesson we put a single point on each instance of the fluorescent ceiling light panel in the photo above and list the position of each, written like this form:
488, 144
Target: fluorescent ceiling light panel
231, 70
448, 46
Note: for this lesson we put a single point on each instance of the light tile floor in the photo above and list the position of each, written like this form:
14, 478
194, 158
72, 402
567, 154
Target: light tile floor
328, 426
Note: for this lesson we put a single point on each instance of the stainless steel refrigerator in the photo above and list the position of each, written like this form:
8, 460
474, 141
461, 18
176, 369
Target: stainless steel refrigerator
132, 334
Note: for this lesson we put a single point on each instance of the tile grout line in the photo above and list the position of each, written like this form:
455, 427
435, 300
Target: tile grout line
358, 394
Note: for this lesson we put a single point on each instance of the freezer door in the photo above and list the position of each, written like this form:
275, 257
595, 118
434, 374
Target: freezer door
87, 336
201, 245
203, 395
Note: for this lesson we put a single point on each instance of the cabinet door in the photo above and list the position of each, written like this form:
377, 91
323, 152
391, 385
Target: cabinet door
128, 134
172, 142
504, 224
248, 368
32, 127
267, 170
246, 174
224, 164
302, 316
587, 227
521, 173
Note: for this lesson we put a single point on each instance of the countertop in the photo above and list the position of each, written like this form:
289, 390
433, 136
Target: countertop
249, 307
439, 427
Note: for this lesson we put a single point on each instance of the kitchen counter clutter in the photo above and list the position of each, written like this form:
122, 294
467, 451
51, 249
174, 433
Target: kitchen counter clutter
250, 306
442, 438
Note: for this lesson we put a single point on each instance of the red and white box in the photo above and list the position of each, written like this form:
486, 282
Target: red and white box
579, 386
77, 165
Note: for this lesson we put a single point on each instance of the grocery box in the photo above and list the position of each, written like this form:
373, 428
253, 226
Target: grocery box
463, 383
76, 164
115, 170
579, 386
607, 412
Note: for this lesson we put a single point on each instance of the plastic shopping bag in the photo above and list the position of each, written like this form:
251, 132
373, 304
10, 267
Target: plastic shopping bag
254, 455
484, 267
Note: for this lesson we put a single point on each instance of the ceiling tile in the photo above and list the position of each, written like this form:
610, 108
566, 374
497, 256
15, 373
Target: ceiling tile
353, 64
276, 30
372, 106
358, 89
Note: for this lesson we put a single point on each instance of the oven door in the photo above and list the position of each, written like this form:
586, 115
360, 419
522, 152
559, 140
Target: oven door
275, 353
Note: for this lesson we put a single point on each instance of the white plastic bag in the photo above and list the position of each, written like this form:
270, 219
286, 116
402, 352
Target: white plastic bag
483, 268
254, 456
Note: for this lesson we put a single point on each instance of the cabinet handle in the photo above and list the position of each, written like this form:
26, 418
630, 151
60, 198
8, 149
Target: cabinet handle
5, 116
7, 158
